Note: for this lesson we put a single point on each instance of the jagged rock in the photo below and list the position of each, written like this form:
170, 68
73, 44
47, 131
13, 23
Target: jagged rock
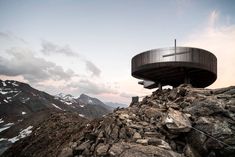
182, 122
176, 121
73, 145
206, 107
136, 150
66, 152
82, 147
118, 148
142, 141
123, 116
152, 113
114, 133
153, 134
190, 152
159, 142
102, 149
223, 90
136, 135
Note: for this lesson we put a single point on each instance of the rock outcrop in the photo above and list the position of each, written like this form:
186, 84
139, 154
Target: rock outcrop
178, 122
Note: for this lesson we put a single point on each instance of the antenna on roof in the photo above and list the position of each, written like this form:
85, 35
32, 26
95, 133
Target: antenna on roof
175, 49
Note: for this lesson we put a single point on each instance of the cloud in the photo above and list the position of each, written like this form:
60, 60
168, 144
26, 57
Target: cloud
32, 68
20, 63
219, 39
49, 48
91, 87
92, 68
8, 36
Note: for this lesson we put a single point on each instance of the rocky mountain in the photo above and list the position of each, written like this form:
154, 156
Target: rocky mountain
88, 107
179, 122
22, 107
85, 99
18, 100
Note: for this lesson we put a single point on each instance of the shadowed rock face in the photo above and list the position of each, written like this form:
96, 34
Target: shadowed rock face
184, 121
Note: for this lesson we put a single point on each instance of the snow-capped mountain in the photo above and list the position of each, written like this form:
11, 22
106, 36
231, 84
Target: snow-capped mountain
66, 98
22, 106
85, 99
18, 100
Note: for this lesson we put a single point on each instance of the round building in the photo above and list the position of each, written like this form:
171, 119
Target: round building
174, 66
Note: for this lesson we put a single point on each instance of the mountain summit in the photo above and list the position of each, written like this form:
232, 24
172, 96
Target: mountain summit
182, 122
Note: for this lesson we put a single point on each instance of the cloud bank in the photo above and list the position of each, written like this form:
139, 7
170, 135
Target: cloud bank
49, 48
24, 62
30, 66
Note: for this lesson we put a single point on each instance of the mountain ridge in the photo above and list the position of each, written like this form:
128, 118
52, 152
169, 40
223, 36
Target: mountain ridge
22, 106
178, 122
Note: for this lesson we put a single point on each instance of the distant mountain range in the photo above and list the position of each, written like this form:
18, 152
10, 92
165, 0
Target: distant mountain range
22, 107
18, 100
116, 105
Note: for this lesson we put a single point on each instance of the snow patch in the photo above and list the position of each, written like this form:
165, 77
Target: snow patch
2, 92
7, 91
24, 100
81, 115
81, 105
23, 113
4, 84
24, 133
9, 124
1, 120
68, 103
90, 101
4, 128
68, 99
56, 106
3, 139
5, 101
17, 93
14, 84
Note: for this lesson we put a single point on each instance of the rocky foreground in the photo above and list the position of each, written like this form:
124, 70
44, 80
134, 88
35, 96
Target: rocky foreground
180, 122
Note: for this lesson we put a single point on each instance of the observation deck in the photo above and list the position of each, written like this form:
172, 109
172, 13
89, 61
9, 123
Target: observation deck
174, 66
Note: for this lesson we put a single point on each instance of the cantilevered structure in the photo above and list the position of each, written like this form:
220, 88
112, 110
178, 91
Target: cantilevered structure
174, 66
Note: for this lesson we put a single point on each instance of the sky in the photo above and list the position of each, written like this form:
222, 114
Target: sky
75, 46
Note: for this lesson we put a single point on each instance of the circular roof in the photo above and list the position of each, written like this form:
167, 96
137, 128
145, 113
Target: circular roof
171, 66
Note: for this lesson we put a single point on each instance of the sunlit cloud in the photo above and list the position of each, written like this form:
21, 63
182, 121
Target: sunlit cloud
219, 39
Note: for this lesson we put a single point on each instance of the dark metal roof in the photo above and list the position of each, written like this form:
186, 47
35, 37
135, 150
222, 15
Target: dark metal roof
169, 66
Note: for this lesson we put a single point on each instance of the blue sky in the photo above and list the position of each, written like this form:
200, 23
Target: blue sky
87, 45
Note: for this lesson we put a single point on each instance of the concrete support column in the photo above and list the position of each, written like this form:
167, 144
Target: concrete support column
159, 86
186, 78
